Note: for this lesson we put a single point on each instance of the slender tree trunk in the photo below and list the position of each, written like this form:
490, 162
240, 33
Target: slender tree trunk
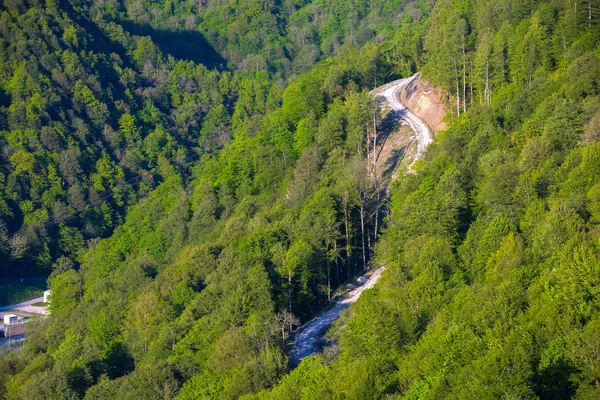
368, 247
368, 150
337, 262
328, 282
290, 290
375, 172
471, 86
376, 214
374, 168
283, 335
374, 147
362, 232
457, 97
348, 245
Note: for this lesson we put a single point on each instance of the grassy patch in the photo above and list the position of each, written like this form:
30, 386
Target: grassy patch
12, 293
40, 304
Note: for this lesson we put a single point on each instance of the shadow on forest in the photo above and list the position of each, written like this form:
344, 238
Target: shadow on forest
411, 88
4, 104
390, 124
4, 98
394, 159
100, 42
182, 45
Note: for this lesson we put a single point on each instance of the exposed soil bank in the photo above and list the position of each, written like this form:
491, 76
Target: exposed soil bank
426, 102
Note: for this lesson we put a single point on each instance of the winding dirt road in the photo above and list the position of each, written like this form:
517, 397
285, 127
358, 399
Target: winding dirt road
308, 336
423, 134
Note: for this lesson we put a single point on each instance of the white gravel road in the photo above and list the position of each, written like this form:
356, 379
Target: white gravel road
423, 134
308, 336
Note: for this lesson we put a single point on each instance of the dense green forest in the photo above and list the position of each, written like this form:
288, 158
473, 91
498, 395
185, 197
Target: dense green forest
188, 172
99, 99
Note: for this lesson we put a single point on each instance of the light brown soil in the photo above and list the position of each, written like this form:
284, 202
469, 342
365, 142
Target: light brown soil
396, 153
427, 102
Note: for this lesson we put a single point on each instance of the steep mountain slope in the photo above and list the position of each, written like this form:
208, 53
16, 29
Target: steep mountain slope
307, 337
91, 120
490, 246
123, 91
209, 259
490, 288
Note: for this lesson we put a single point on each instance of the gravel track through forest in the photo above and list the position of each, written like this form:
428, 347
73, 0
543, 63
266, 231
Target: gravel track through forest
308, 336
423, 134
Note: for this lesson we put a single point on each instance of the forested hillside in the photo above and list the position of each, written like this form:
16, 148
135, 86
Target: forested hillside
253, 200
98, 99
492, 255
193, 176
92, 120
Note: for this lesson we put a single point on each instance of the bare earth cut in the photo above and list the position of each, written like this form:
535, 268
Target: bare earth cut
426, 102
308, 336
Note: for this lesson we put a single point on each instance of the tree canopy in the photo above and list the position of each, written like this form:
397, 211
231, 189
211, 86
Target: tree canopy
191, 176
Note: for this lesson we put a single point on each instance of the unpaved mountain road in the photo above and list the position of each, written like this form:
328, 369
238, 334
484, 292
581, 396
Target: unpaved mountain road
308, 336
422, 133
